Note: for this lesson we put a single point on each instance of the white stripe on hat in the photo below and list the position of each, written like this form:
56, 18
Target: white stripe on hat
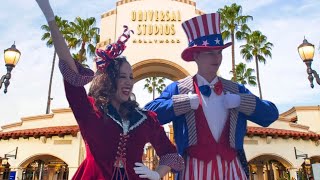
217, 16
187, 30
201, 26
209, 21
193, 28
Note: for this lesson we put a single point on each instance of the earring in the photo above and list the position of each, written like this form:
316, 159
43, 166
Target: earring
132, 97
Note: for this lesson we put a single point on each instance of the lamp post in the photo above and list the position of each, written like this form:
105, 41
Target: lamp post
5, 164
11, 58
307, 161
4, 161
306, 52
307, 165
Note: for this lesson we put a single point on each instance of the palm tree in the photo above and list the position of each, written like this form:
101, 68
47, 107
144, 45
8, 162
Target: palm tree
233, 25
63, 25
244, 75
257, 48
154, 84
84, 35
77, 57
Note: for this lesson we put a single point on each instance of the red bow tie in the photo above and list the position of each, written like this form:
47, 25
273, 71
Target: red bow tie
206, 89
218, 88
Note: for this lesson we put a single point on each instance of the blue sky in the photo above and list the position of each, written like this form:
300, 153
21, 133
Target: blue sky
284, 78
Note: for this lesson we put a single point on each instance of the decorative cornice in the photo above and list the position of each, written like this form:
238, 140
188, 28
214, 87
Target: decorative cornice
281, 118
62, 110
11, 125
182, 1
31, 118
199, 12
290, 111
300, 108
125, 2
109, 13
299, 126
39, 117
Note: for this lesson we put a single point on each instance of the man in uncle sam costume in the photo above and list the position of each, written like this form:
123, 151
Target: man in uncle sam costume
209, 113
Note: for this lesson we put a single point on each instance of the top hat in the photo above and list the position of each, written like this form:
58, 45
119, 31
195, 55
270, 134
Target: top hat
203, 34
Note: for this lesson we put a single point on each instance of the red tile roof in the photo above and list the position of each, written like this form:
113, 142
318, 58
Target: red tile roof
260, 131
48, 132
73, 130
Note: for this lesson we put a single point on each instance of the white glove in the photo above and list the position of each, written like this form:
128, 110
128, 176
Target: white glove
231, 101
194, 100
144, 172
46, 9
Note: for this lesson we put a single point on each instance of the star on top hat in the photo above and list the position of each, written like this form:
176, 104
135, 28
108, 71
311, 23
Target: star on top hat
203, 34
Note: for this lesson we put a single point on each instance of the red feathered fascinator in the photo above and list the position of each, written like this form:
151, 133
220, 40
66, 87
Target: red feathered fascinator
104, 57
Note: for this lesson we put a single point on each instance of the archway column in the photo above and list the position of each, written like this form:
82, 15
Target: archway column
19, 173
293, 172
275, 172
260, 171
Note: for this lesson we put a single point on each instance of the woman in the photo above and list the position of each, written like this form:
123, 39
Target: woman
114, 129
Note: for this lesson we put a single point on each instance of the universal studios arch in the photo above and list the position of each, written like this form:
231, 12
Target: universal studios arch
155, 48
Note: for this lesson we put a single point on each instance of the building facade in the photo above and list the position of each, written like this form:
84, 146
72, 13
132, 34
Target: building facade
51, 147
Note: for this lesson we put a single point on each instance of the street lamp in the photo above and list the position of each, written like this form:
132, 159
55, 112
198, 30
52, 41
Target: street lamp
5, 164
4, 161
307, 161
307, 164
11, 58
306, 52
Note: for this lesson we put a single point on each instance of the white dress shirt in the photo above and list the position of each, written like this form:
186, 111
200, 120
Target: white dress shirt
213, 108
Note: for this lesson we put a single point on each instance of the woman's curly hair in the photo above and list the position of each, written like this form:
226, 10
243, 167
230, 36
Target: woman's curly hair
104, 87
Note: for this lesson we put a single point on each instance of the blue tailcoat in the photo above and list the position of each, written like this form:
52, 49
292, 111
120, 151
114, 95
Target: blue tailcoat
173, 105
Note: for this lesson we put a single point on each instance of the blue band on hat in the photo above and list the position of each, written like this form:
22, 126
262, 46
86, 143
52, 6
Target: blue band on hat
211, 40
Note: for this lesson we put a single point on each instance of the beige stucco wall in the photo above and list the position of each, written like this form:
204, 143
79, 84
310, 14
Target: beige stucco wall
310, 117
282, 148
68, 148
59, 117
68, 151
280, 124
